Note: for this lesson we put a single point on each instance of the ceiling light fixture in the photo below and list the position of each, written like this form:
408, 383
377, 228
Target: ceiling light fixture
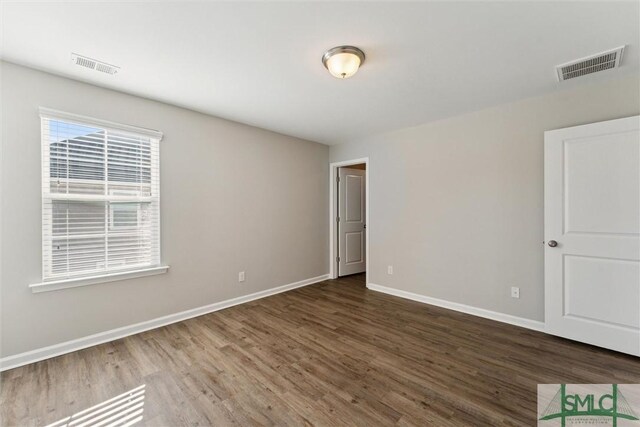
343, 61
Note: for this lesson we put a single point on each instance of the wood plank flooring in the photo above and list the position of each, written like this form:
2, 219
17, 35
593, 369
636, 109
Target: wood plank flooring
333, 353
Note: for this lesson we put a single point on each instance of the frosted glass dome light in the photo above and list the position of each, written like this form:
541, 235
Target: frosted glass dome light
343, 61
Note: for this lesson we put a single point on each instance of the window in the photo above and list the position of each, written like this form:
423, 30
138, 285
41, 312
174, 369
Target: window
100, 197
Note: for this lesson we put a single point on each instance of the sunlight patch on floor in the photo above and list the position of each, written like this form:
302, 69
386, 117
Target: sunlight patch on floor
123, 410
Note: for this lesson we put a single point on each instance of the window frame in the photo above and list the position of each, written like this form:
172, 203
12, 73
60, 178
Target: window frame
50, 282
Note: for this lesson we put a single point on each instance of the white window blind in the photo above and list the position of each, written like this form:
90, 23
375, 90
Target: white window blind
100, 197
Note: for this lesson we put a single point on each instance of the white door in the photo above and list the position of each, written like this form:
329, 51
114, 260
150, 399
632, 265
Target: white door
351, 221
592, 240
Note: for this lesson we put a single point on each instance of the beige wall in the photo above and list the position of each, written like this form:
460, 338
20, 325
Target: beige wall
233, 198
456, 206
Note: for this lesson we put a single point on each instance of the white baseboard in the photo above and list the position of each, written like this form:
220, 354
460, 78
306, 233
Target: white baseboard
480, 312
32, 356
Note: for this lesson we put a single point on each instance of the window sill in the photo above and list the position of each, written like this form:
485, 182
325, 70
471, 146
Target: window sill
92, 280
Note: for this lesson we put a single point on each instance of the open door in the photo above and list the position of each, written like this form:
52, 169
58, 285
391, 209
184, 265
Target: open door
592, 234
351, 221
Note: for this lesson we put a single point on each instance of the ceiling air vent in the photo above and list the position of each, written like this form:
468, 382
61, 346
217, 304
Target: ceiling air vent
93, 64
591, 64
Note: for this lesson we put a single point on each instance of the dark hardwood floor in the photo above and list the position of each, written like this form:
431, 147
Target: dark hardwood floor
333, 353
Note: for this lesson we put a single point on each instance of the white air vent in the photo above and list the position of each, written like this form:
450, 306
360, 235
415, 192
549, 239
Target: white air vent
591, 64
92, 64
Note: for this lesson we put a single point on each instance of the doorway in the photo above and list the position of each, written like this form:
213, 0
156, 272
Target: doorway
349, 217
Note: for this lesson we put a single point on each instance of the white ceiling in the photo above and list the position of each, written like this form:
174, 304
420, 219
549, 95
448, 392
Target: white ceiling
259, 63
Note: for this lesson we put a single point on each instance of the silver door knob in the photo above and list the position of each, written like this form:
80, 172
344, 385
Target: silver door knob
553, 243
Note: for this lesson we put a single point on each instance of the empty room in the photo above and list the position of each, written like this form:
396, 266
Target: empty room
290, 213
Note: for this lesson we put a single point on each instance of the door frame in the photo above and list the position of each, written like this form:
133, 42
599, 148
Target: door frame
333, 214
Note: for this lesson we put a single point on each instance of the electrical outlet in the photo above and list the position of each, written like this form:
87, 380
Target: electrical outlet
390, 269
515, 292
241, 276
